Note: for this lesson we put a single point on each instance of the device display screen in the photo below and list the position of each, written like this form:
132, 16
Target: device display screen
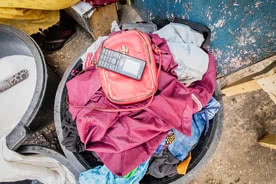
131, 67
120, 63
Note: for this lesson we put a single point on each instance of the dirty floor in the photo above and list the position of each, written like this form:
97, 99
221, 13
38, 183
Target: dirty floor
247, 117
239, 158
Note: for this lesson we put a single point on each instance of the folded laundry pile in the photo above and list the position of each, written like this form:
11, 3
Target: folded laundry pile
158, 138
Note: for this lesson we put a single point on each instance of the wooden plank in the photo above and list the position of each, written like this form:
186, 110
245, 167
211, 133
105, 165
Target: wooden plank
247, 73
268, 83
241, 88
268, 141
265, 79
102, 18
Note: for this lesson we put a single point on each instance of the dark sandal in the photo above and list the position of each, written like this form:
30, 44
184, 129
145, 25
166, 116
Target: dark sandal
56, 37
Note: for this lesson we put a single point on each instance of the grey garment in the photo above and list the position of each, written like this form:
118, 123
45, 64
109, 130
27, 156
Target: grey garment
180, 33
184, 44
200, 28
163, 164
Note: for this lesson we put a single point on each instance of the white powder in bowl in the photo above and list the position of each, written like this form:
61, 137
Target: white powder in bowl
15, 101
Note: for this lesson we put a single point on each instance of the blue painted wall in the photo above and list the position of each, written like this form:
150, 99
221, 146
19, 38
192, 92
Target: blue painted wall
243, 31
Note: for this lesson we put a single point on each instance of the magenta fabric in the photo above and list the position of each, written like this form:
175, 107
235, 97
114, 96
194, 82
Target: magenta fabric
100, 2
125, 140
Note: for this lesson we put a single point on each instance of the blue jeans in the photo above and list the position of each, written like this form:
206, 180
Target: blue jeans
183, 144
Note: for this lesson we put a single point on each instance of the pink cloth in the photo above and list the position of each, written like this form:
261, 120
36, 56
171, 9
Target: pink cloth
125, 140
100, 2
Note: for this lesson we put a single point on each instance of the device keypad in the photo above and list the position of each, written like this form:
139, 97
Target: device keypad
121, 63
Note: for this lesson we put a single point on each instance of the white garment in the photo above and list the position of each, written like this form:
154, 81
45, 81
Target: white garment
15, 167
184, 44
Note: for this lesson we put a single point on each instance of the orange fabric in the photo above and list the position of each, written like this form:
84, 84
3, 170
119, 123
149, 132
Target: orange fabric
183, 166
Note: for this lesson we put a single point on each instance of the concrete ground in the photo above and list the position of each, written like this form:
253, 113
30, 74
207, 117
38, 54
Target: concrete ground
247, 117
239, 158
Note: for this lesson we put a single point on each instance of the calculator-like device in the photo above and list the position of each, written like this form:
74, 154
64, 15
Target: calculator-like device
121, 63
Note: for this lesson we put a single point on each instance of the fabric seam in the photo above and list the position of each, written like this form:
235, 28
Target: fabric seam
196, 100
